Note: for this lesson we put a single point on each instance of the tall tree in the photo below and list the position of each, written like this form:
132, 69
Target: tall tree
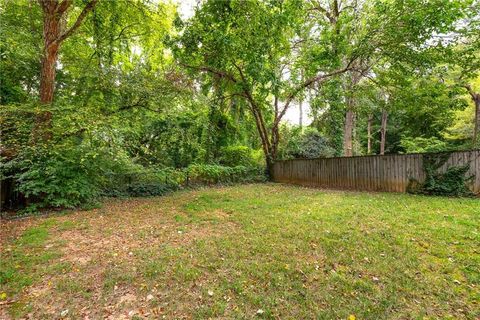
55, 16
465, 59
247, 47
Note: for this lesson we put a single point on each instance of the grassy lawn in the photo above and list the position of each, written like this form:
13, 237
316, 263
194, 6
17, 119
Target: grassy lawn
253, 251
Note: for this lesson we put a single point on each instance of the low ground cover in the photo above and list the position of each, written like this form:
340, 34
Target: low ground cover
260, 250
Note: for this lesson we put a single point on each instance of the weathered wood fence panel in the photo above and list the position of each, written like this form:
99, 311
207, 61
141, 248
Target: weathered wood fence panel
371, 173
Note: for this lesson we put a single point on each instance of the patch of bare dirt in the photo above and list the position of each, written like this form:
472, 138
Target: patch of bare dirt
94, 241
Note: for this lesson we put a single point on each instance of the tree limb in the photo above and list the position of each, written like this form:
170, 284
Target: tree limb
308, 82
63, 6
89, 7
218, 73
470, 91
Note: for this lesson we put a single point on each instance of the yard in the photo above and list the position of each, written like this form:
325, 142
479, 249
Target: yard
251, 251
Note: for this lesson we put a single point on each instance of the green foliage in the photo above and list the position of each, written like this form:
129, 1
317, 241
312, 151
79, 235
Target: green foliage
421, 144
142, 182
213, 174
63, 178
233, 156
453, 181
135, 110
155, 182
306, 144
62, 175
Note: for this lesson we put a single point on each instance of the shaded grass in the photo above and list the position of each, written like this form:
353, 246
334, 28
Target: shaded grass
288, 251
27, 259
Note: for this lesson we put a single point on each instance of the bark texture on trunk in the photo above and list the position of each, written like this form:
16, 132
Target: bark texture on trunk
383, 131
54, 33
369, 134
348, 133
51, 32
350, 85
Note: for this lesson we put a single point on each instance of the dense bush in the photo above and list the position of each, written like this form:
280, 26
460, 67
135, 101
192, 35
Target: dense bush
152, 182
233, 156
304, 144
82, 162
142, 182
63, 175
213, 174
76, 179
57, 179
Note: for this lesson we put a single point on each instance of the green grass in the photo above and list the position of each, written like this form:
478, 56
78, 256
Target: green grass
292, 252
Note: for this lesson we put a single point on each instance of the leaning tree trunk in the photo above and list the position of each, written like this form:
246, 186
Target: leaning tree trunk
383, 131
369, 134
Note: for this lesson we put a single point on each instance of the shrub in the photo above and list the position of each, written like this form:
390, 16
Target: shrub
155, 182
314, 145
304, 144
147, 189
233, 156
54, 177
139, 181
213, 174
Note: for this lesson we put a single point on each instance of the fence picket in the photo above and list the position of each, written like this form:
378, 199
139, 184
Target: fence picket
375, 173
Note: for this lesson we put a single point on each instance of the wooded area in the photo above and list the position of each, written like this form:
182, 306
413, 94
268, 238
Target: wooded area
91, 89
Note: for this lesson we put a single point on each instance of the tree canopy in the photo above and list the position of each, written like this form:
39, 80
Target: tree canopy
91, 89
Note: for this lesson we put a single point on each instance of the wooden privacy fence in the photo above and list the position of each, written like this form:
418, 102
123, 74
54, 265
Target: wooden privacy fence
371, 173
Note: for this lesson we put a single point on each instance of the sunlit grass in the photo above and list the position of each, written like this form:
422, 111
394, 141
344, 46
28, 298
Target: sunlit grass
268, 251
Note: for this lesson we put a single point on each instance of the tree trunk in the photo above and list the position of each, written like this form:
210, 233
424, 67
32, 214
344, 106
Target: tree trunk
269, 143
476, 129
270, 165
348, 133
350, 116
54, 19
369, 134
300, 120
300, 103
383, 131
51, 32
